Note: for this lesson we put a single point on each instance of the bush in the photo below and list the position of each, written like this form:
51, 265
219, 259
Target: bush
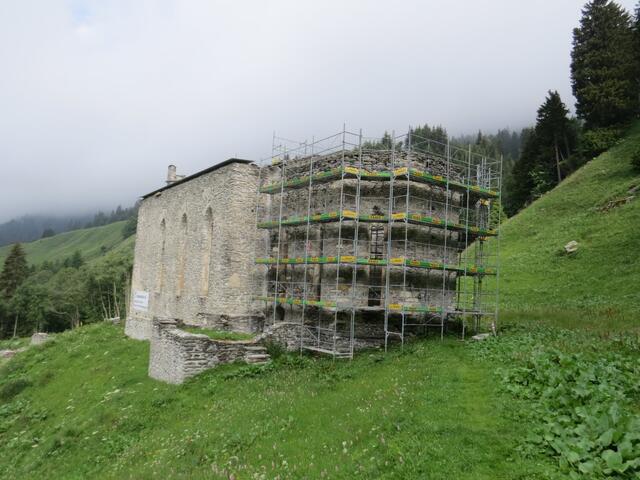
635, 160
599, 140
130, 227
13, 387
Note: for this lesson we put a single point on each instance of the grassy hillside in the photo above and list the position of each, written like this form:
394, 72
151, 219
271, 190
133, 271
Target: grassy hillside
89, 242
604, 275
83, 407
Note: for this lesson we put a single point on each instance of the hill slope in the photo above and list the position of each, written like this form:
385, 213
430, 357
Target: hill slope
604, 274
89, 242
83, 406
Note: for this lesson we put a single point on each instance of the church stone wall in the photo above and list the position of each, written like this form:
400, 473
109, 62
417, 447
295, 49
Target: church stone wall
194, 253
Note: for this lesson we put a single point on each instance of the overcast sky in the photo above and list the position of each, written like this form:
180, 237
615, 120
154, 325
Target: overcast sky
98, 97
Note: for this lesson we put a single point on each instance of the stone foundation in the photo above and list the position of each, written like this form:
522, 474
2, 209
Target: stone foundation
287, 334
176, 355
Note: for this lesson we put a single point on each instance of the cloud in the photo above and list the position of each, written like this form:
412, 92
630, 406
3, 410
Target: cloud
99, 96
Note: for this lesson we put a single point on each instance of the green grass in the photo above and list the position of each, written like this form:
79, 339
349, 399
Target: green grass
13, 343
601, 280
219, 334
89, 242
82, 406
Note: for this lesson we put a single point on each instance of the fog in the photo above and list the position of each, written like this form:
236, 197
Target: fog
97, 97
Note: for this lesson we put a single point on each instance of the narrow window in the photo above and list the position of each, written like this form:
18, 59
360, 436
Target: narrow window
207, 244
161, 257
182, 260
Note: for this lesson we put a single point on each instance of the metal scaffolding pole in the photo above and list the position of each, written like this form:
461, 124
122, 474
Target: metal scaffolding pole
306, 252
465, 280
283, 166
406, 235
497, 306
354, 273
389, 237
445, 238
339, 249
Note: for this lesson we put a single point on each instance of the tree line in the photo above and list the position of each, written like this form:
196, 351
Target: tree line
605, 80
62, 294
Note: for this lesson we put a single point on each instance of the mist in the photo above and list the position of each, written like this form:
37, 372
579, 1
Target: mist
98, 97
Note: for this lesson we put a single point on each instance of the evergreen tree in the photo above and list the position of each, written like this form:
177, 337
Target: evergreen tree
76, 260
544, 158
604, 65
556, 137
385, 143
15, 271
520, 181
130, 226
48, 232
431, 139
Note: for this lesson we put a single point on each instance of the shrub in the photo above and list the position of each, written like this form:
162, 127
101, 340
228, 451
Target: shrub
635, 160
13, 387
599, 140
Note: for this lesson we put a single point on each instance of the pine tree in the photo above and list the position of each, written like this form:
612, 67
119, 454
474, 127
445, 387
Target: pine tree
543, 161
76, 260
15, 271
556, 137
603, 66
520, 182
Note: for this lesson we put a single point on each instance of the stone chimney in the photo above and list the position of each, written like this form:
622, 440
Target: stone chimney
172, 176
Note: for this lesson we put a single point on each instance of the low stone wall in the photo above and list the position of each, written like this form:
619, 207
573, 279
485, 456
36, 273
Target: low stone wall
176, 355
287, 334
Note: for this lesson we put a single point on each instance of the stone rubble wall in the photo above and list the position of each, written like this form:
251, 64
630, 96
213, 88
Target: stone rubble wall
374, 160
287, 333
176, 355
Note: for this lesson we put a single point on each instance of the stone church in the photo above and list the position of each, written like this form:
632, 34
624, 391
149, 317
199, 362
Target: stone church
332, 251
195, 251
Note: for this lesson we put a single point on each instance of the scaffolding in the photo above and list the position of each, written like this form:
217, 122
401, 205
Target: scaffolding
369, 240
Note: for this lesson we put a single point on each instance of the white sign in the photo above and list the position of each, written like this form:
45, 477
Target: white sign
141, 301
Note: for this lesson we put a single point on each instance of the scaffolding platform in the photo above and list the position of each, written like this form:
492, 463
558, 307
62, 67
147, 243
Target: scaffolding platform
348, 215
394, 262
349, 172
401, 232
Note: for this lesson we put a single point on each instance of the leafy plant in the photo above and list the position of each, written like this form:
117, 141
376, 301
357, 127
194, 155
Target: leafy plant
582, 394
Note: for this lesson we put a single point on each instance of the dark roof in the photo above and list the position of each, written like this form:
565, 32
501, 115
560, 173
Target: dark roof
197, 174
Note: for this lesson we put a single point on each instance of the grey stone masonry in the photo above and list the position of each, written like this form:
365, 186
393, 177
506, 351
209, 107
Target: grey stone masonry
176, 355
194, 253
